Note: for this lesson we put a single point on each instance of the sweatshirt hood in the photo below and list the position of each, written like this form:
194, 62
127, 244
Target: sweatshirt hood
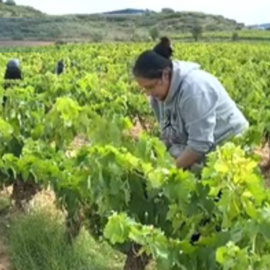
180, 70
13, 63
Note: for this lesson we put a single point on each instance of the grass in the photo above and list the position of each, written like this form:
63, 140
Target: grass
36, 241
4, 203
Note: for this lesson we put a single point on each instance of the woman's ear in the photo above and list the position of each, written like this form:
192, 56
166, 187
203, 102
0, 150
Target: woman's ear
166, 74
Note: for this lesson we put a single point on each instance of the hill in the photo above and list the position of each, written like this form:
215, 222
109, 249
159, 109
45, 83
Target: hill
26, 23
7, 11
264, 26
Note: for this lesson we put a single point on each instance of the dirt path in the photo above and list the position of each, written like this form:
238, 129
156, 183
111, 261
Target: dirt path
22, 43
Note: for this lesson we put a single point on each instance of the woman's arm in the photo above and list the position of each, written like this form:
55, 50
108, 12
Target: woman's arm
198, 107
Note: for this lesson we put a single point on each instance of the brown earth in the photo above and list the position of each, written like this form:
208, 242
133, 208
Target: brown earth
24, 43
4, 260
264, 154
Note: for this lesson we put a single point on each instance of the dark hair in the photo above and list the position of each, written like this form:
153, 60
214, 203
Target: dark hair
164, 48
165, 40
150, 65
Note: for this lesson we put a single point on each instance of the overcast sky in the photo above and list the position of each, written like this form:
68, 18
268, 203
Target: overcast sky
246, 11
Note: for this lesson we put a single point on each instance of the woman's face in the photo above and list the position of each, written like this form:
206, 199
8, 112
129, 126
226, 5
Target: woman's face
157, 88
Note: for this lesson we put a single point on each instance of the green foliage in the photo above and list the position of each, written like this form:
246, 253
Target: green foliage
9, 9
167, 10
154, 33
10, 3
97, 36
42, 236
125, 188
196, 31
241, 216
235, 36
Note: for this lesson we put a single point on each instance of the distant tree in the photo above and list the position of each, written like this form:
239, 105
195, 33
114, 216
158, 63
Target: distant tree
235, 36
135, 37
148, 11
167, 10
240, 26
18, 36
10, 3
196, 31
60, 42
154, 33
1, 1
97, 36
139, 37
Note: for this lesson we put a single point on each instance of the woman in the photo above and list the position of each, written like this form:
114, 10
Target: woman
194, 110
13, 73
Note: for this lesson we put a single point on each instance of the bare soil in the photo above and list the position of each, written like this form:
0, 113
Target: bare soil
264, 154
136, 130
4, 260
24, 43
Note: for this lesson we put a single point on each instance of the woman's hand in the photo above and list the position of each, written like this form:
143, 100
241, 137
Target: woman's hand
187, 159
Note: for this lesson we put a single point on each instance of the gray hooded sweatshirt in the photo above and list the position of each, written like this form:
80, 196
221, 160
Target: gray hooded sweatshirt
197, 113
13, 63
